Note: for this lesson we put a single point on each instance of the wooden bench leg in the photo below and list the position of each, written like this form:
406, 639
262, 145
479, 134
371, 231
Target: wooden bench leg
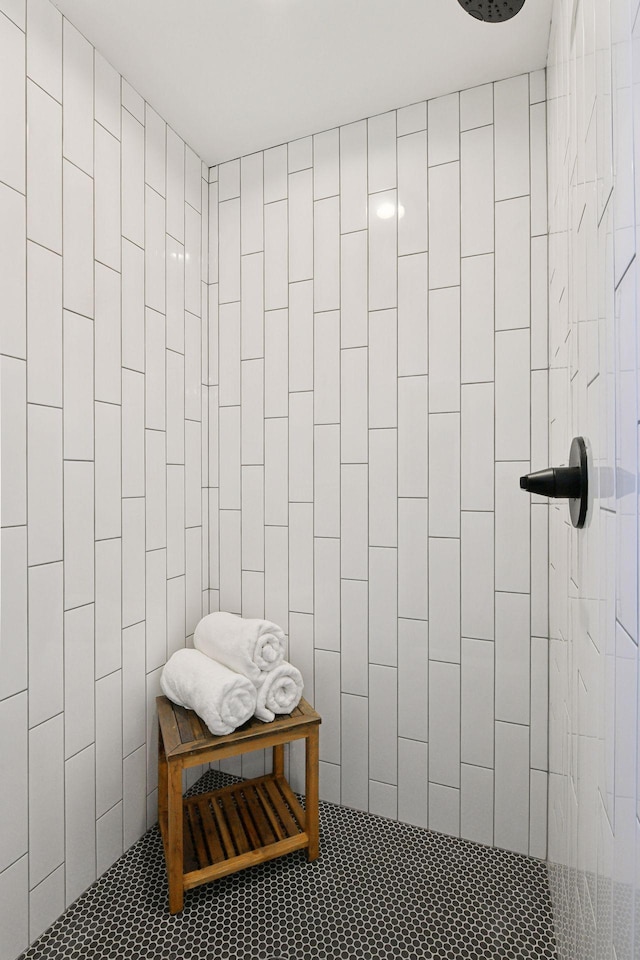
278, 760
175, 862
312, 792
163, 788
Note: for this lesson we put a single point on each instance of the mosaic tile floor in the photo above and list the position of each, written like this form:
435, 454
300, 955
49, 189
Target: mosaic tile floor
379, 890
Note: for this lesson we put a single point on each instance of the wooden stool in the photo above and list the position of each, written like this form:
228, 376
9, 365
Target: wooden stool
213, 834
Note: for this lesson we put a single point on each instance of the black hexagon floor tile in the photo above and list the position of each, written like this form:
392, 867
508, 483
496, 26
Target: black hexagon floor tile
379, 890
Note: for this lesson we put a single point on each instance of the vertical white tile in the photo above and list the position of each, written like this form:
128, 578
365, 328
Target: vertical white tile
252, 311
229, 179
539, 721
44, 169
326, 254
512, 529
383, 799
14, 790
133, 561
107, 94
327, 481
80, 823
230, 561
154, 150
301, 447
44, 46
301, 556
229, 341
213, 225
383, 385
538, 160
301, 226
538, 814
444, 723
13, 615
107, 335
476, 804
513, 656
134, 805
326, 361
353, 289
175, 407
252, 412
383, 488
301, 335
477, 563
383, 725
477, 321
154, 250
326, 594
477, 446
512, 270
77, 226
511, 122
301, 649
276, 578
444, 599
108, 742
252, 518
412, 315
353, 177
443, 125
175, 520
511, 823
383, 606
132, 179
412, 559
46, 808
133, 688
476, 106
383, 250
444, 225
354, 521
192, 261
411, 119
13, 270
330, 782
326, 164
132, 306
539, 303
354, 639
251, 203
413, 679
108, 606
412, 436
156, 393
275, 256
107, 196
193, 474
539, 569
444, 475
45, 482
46, 903
276, 397
355, 752
132, 434
513, 405
276, 459
79, 672
381, 156
175, 295
175, 185
477, 715
476, 202
230, 458
155, 490
412, 193
412, 782
14, 912
78, 387
192, 179
44, 325
156, 608
46, 654
176, 614
275, 169
13, 115
354, 416
444, 350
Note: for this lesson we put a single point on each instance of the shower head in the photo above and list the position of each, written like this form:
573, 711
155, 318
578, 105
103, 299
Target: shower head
492, 11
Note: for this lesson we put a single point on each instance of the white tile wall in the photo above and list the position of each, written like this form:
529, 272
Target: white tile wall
387, 418
79, 562
593, 140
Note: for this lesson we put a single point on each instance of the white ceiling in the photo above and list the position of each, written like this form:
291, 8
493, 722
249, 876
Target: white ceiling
234, 76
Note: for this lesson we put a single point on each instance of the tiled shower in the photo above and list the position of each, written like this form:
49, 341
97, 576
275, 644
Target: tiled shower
302, 385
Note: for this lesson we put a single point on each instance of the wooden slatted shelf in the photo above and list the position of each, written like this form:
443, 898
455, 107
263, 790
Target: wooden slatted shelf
210, 835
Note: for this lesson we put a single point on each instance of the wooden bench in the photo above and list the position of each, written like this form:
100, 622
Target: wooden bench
213, 834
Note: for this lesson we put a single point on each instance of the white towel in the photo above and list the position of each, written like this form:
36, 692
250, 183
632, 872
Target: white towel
252, 647
223, 699
279, 692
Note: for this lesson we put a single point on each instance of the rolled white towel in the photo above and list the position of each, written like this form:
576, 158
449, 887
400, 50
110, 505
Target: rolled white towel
252, 647
223, 699
279, 692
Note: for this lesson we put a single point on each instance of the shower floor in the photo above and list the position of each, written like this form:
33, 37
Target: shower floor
379, 890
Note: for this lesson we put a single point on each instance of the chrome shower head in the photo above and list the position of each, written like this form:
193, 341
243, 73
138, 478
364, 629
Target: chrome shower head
492, 11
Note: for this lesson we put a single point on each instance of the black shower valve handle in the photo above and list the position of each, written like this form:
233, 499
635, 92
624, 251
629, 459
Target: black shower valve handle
567, 483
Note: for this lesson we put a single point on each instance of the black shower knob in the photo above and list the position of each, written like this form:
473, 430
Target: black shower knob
569, 483
492, 11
